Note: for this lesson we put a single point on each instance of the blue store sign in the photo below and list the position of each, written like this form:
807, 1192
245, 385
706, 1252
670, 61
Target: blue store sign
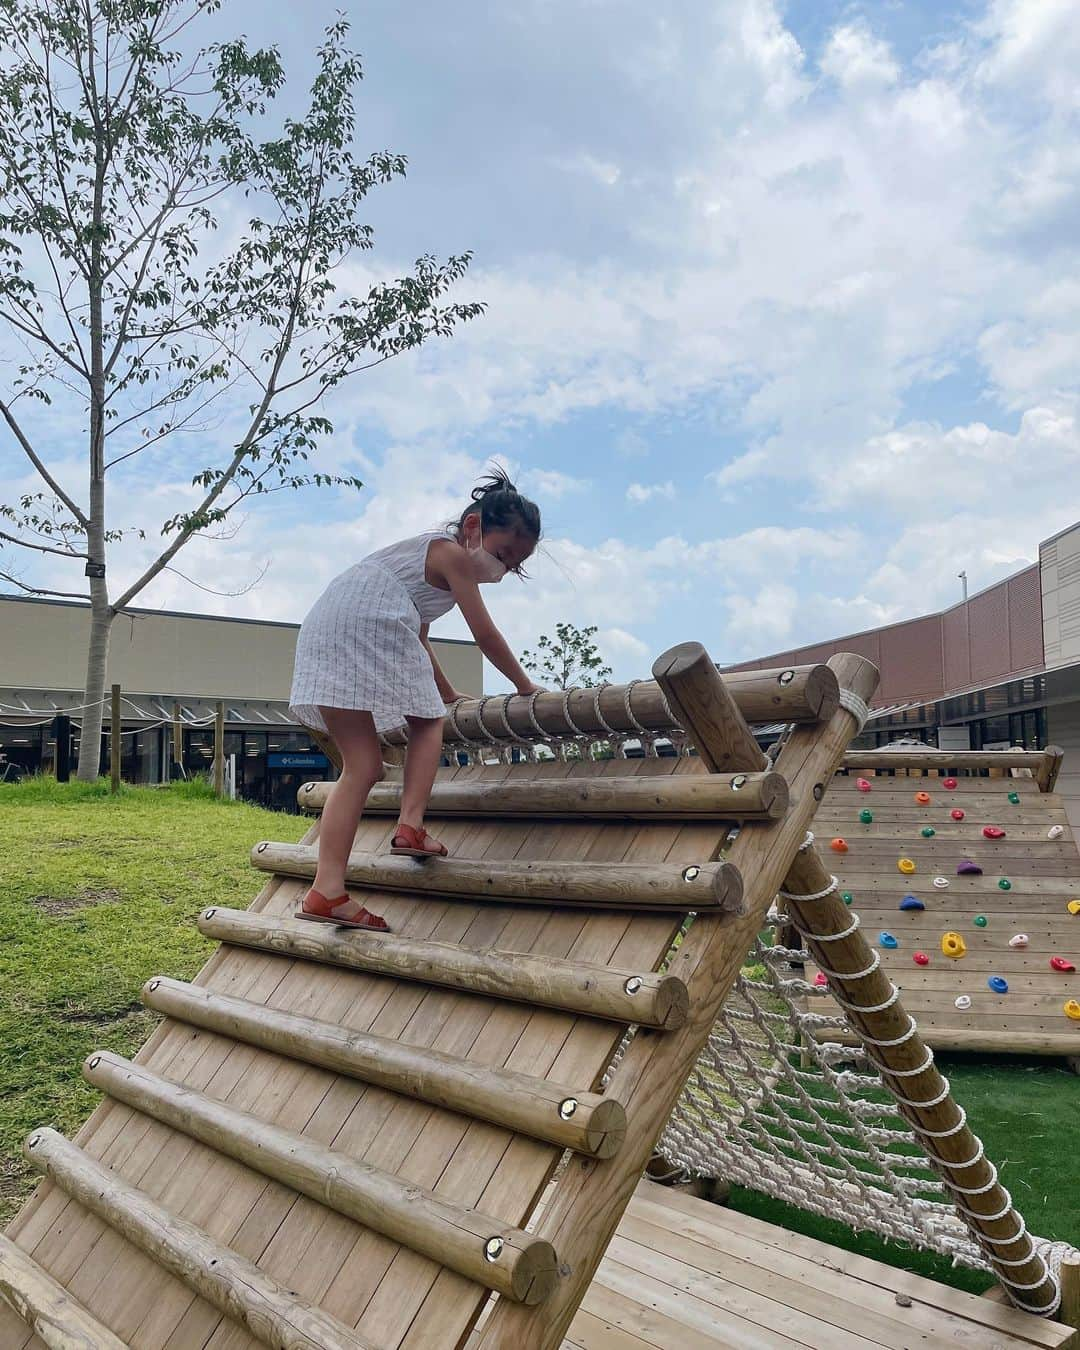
284, 760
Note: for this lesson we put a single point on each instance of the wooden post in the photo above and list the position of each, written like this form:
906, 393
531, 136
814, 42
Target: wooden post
700, 700
1046, 773
474, 1244
115, 742
595, 991
46, 1307
586, 1122
219, 749
584, 1210
1069, 1312
704, 886
233, 1284
177, 739
739, 796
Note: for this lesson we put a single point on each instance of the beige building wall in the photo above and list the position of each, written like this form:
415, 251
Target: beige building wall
43, 646
1059, 565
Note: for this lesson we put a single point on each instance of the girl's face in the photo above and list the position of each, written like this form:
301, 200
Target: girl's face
511, 546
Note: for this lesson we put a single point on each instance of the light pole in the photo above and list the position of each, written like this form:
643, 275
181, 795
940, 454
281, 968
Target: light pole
963, 583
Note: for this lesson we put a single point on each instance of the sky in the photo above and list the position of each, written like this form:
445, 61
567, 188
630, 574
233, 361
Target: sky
782, 322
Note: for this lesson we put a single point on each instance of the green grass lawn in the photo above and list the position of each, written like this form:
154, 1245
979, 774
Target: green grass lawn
98, 893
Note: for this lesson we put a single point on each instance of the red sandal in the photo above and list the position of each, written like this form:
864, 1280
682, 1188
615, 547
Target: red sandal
344, 911
410, 843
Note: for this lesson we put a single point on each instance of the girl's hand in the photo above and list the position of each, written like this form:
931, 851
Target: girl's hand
530, 688
452, 696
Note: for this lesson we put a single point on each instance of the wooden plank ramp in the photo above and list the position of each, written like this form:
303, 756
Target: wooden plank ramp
1038, 857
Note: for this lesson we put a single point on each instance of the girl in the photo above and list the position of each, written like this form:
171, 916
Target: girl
364, 665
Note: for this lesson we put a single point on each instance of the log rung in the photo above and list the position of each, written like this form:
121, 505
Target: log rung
47, 1308
586, 1122
484, 1249
734, 797
644, 886
232, 1283
570, 986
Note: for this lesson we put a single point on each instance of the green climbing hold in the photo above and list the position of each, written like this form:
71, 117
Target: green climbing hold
866, 816
1014, 797
980, 920
928, 831
1004, 884
847, 897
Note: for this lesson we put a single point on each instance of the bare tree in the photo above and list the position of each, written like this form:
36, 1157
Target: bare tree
163, 330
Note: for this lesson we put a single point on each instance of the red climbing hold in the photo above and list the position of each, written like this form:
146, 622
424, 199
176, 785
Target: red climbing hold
949, 783
1059, 963
993, 832
920, 958
956, 813
839, 846
863, 785
820, 979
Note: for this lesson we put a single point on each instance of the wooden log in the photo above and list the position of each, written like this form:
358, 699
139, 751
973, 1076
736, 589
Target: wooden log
1069, 1277
584, 1209
701, 700
791, 694
476, 1245
857, 978
1046, 774
739, 796
966, 760
219, 749
229, 1281
701, 886
586, 1122
540, 981
47, 1307
116, 740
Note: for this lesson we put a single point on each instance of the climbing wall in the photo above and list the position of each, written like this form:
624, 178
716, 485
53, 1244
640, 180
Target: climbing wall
968, 888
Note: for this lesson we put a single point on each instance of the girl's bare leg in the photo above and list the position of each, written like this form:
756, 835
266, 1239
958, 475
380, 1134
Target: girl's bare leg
354, 735
421, 761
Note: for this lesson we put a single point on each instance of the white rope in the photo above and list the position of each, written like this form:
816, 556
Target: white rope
857, 707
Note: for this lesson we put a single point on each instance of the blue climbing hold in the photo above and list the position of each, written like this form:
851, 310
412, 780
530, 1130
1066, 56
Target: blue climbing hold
998, 985
911, 902
887, 940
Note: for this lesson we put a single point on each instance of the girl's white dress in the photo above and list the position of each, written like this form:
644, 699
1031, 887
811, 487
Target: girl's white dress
360, 645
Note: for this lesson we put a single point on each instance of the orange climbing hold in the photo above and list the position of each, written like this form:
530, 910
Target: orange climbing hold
839, 846
923, 798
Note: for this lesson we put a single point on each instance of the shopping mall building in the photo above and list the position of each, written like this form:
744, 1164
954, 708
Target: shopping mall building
170, 667
1001, 668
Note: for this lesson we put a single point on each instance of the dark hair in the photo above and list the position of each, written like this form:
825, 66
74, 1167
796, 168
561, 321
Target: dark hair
501, 507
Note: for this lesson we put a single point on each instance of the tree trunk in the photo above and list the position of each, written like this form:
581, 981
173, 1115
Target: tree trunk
97, 653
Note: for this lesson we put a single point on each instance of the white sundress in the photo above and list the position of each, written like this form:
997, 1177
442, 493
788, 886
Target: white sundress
360, 647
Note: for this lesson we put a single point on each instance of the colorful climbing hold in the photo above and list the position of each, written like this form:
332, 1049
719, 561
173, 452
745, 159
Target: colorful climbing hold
888, 940
979, 921
906, 866
1014, 797
866, 815
941, 882
923, 798
1019, 941
911, 902
966, 868
950, 783
928, 831
993, 832
963, 1002
1060, 963
862, 785
839, 846
847, 897
1072, 1009
998, 984
920, 958
1055, 831
1073, 906
956, 813
1004, 884
953, 946
820, 979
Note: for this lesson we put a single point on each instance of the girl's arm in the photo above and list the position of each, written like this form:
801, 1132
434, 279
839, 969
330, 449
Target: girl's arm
452, 563
447, 692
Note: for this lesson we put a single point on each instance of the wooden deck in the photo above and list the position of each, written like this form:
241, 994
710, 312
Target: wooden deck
683, 1274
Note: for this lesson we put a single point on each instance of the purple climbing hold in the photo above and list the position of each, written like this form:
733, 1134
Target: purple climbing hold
967, 868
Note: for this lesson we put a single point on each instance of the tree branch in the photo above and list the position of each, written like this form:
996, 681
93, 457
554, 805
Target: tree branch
38, 590
41, 548
42, 470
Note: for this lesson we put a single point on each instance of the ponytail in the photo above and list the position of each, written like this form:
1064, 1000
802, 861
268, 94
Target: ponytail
501, 506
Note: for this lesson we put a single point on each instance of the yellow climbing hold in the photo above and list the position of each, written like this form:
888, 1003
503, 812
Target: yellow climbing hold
1073, 906
953, 946
1072, 1009
906, 866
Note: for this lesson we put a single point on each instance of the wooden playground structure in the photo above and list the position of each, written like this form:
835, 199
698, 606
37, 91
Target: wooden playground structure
1022, 890
433, 1139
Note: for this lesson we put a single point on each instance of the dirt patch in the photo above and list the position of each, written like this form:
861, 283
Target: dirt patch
100, 1019
66, 904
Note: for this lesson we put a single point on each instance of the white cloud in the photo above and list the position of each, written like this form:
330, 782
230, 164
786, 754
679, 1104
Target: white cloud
550, 483
643, 492
855, 58
599, 170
